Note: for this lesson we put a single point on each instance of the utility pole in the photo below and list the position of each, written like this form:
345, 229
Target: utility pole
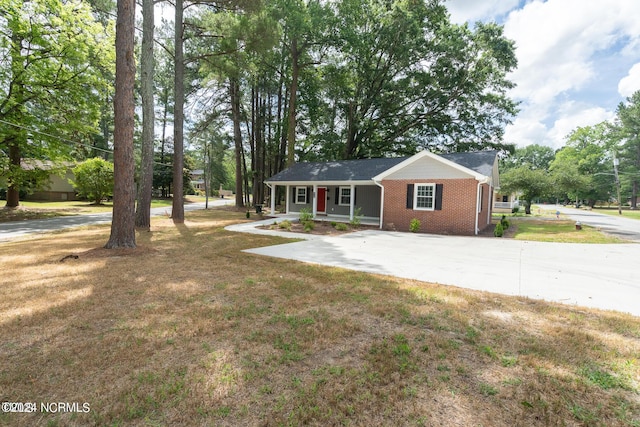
616, 162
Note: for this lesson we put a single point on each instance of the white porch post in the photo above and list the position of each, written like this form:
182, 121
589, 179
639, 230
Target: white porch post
286, 198
273, 198
352, 201
315, 200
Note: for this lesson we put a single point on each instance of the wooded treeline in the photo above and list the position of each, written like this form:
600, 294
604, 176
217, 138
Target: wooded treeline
266, 83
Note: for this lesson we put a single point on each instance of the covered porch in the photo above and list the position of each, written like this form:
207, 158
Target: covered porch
331, 201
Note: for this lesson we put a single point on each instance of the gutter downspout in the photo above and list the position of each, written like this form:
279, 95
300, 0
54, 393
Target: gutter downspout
381, 202
478, 204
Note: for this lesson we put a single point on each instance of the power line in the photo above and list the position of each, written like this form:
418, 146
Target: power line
68, 141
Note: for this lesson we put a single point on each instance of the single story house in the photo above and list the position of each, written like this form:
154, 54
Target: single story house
57, 187
448, 193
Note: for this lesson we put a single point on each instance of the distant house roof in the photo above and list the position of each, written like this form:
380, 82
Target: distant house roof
480, 162
36, 164
341, 170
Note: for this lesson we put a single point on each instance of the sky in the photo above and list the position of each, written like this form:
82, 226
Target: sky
577, 61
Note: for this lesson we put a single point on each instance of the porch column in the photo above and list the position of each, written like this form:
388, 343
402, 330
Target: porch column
352, 201
286, 198
315, 200
274, 191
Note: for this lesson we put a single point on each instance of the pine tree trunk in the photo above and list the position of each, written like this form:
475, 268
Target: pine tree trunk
143, 212
291, 129
234, 98
178, 121
123, 233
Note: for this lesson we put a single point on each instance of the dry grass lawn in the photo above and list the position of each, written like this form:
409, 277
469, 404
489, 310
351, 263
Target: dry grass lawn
188, 330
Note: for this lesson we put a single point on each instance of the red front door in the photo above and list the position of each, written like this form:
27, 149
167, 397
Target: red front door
322, 200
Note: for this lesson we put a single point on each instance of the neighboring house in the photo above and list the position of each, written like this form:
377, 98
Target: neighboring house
505, 203
197, 179
58, 188
448, 194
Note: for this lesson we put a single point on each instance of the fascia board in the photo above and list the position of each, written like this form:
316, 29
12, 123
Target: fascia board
321, 183
435, 157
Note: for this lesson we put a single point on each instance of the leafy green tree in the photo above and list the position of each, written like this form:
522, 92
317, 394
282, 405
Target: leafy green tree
628, 129
535, 156
530, 183
404, 77
583, 169
94, 179
54, 57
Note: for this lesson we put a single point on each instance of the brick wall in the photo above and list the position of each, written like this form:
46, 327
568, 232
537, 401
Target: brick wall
458, 214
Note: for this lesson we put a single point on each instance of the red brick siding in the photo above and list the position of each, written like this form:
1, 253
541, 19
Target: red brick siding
458, 214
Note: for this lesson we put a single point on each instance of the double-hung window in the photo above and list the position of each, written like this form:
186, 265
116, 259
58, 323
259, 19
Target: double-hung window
344, 197
424, 197
301, 195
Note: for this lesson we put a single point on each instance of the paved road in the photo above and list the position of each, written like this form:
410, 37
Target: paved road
598, 276
612, 224
15, 229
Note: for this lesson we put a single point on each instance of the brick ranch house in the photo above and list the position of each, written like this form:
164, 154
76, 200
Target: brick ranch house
447, 193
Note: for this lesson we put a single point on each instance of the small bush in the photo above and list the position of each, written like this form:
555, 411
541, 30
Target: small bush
308, 226
341, 227
499, 230
285, 225
515, 209
333, 223
414, 225
305, 215
505, 222
357, 215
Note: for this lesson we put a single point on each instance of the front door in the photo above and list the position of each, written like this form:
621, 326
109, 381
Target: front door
322, 200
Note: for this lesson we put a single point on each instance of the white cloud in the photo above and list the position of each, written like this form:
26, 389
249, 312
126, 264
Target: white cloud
568, 50
556, 42
474, 10
631, 83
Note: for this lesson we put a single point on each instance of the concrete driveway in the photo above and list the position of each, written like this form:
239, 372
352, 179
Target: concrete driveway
598, 276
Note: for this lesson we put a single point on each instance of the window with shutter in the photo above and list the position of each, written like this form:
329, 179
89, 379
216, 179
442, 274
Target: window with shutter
424, 197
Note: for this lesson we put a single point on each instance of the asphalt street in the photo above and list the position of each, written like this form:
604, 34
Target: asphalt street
612, 224
14, 229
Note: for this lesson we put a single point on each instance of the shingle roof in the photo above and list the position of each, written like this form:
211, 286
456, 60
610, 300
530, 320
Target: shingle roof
478, 161
365, 169
342, 170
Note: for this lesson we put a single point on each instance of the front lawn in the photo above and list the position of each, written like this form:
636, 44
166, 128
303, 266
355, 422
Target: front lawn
188, 330
561, 231
626, 212
39, 210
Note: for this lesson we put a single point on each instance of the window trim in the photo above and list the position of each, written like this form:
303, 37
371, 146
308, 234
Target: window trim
433, 196
298, 194
340, 195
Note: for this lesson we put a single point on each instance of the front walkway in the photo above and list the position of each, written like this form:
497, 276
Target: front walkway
597, 276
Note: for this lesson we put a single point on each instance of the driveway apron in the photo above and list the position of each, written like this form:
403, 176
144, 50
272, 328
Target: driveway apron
598, 276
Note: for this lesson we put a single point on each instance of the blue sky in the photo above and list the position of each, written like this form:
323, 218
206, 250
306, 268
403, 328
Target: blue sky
577, 60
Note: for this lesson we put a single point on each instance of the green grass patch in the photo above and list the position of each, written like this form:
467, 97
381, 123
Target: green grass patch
626, 212
559, 231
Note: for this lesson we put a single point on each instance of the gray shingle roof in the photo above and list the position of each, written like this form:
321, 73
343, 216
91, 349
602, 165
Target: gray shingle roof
366, 169
341, 170
478, 161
